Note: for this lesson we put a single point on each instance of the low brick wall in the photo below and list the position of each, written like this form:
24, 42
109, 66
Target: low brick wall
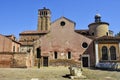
64, 62
19, 60
5, 60
10, 59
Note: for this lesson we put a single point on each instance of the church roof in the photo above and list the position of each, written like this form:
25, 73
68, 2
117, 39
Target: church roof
33, 32
44, 8
108, 38
66, 19
84, 32
6, 37
80, 31
97, 23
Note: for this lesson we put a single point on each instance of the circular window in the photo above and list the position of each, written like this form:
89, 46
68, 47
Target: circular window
62, 23
84, 45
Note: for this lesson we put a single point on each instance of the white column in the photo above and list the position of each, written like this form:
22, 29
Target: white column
32, 58
96, 54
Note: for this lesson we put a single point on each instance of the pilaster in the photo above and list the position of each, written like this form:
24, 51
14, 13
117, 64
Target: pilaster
96, 54
119, 49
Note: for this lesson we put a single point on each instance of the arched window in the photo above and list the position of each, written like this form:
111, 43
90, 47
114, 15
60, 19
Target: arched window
55, 55
40, 13
38, 52
46, 13
13, 48
113, 53
93, 34
69, 55
104, 53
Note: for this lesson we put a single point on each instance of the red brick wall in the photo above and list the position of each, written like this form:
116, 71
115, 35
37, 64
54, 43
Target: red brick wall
8, 60
5, 44
19, 60
5, 60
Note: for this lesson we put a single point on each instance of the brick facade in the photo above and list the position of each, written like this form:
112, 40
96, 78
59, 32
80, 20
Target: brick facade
63, 39
8, 44
58, 40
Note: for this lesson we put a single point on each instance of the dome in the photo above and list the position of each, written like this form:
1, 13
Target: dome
97, 18
97, 15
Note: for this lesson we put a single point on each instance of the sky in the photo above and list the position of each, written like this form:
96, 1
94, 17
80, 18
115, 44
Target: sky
17, 16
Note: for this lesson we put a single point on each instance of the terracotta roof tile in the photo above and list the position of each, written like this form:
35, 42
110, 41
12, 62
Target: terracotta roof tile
108, 38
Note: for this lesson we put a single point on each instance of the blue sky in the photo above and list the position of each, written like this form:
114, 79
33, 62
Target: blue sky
21, 15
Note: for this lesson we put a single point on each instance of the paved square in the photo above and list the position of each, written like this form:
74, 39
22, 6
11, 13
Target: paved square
54, 73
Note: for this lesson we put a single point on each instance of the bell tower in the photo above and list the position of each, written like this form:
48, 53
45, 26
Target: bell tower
44, 16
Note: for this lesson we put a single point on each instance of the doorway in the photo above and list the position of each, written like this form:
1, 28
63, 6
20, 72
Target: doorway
45, 61
85, 61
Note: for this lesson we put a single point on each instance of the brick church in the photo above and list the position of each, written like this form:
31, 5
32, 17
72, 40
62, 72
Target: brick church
58, 43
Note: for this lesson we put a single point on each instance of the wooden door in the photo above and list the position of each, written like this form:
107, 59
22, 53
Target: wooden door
45, 61
85, 62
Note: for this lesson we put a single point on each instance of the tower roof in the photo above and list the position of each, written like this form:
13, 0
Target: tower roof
44, 9
97, 15
97, 18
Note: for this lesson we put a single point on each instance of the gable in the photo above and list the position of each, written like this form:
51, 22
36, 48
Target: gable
64, 18
62, 40
63, 24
